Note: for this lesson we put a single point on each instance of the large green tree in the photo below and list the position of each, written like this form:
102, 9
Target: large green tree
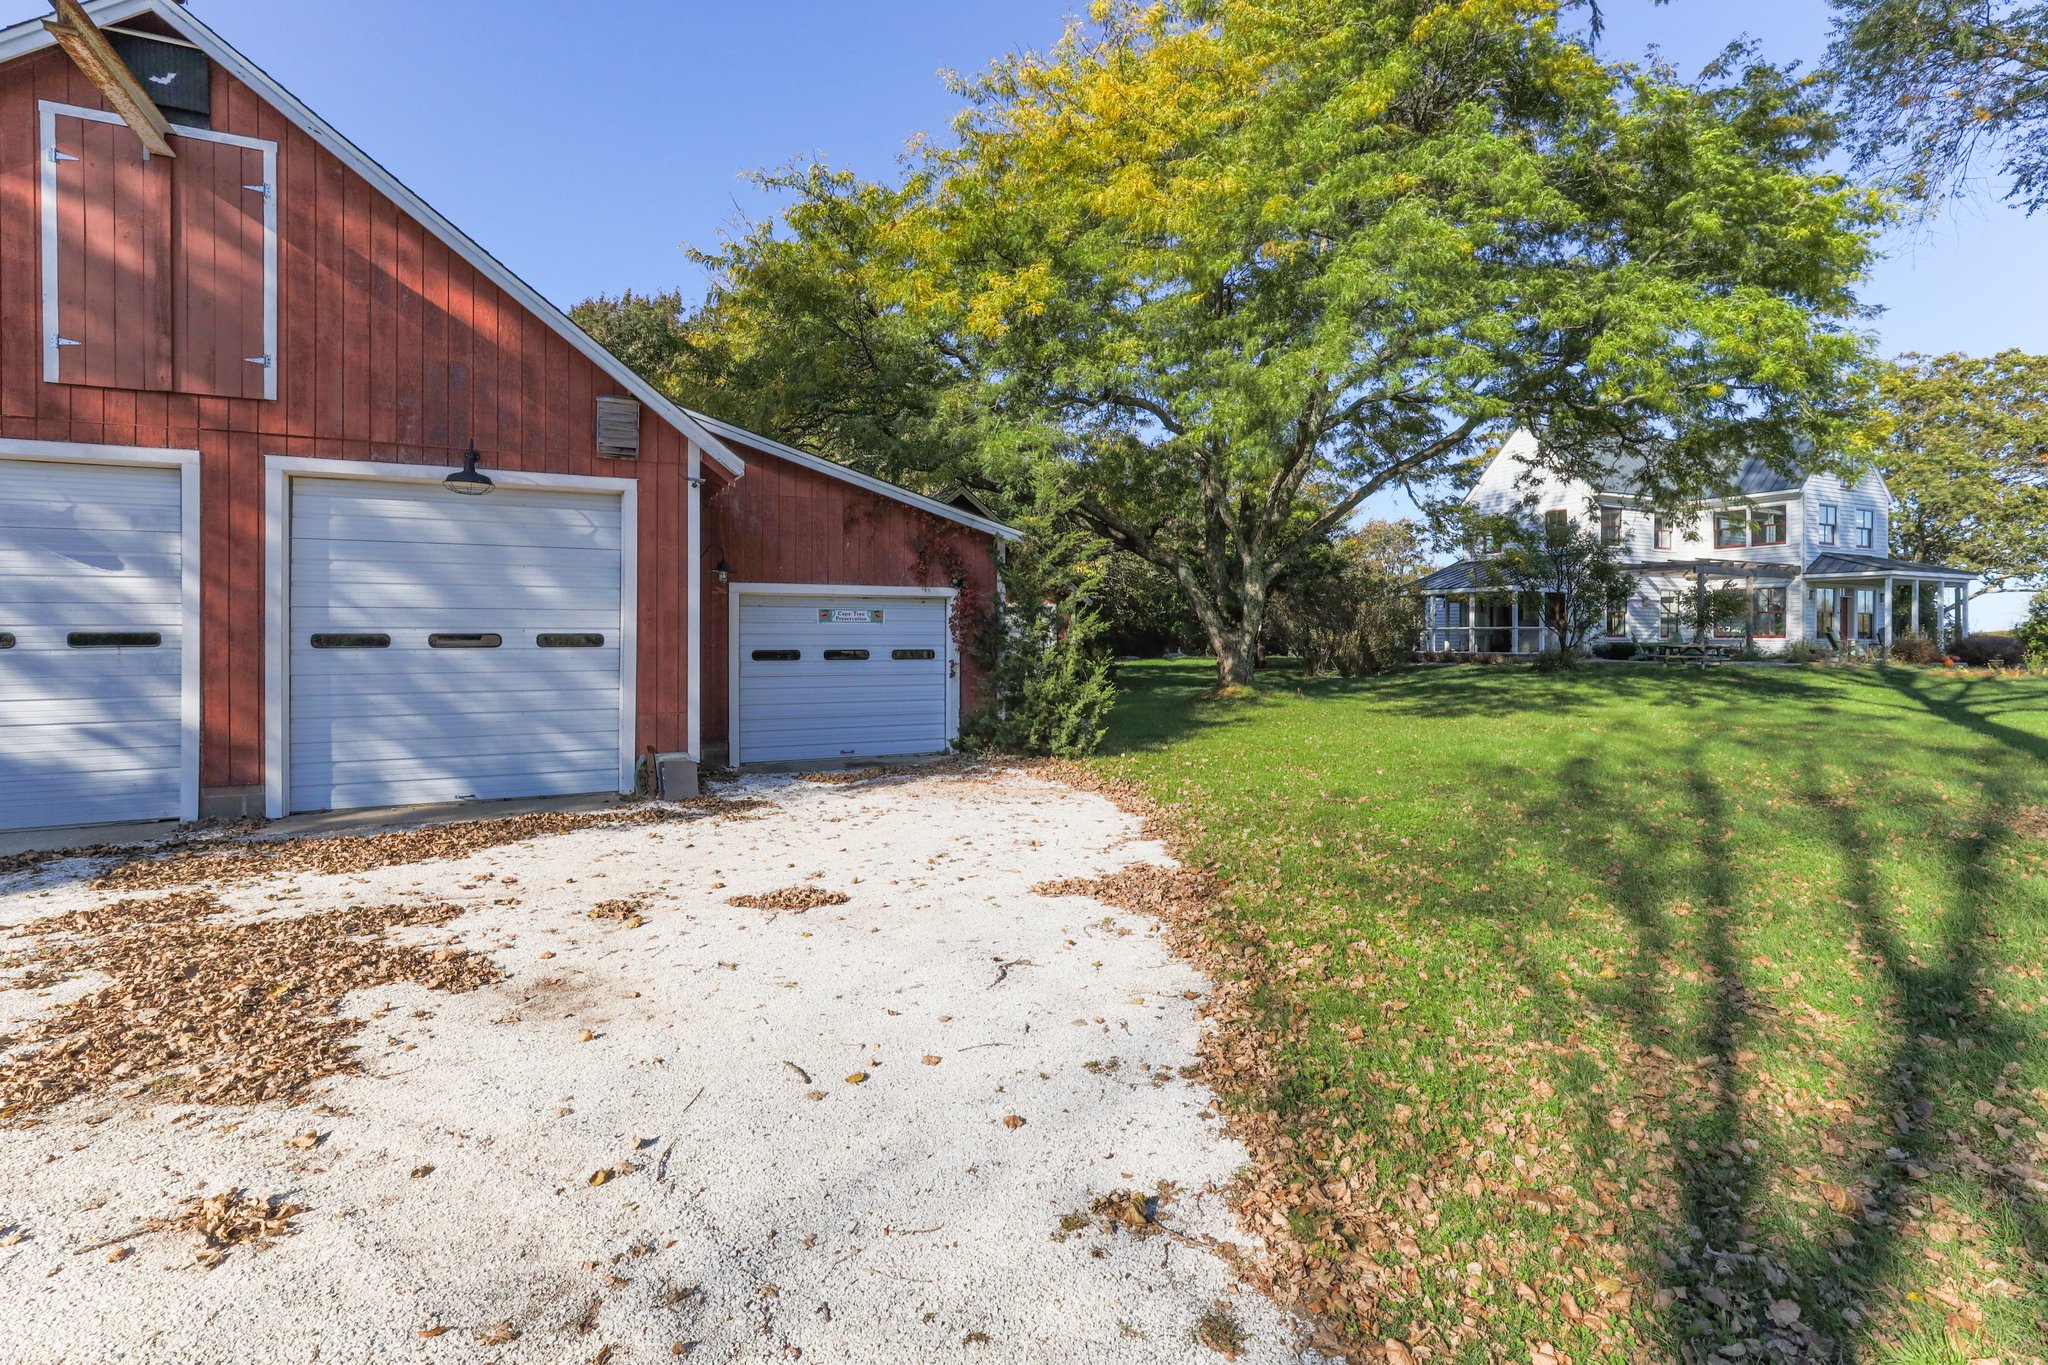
1242, 265
1940, 89
1963, 443
1233, 267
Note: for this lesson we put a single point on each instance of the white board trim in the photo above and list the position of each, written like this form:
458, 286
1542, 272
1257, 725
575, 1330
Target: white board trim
693, 678
735, 596
186, 462
280, 470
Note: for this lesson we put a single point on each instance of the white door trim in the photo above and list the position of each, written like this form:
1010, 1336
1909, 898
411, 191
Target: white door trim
186, 462
280, 470
739, 591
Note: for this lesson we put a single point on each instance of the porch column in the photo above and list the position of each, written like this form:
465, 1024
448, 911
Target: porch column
1515, 623
1885, 614
1962, 611
1471, 623
1914, 624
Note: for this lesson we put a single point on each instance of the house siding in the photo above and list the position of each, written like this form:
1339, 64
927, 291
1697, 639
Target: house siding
784, 523
391, 348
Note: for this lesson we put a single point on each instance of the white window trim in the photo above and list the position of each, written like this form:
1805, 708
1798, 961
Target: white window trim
186, 462
737, 591
50, 110
280, 470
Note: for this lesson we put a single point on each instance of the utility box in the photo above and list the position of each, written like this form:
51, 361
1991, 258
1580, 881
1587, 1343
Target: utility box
675, 777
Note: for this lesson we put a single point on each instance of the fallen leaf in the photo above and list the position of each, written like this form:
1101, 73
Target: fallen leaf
1013, 1121
1784, 1312
857, 1078
930, 1060
429, 1333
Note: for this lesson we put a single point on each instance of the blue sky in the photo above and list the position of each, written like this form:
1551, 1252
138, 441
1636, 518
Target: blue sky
583, 144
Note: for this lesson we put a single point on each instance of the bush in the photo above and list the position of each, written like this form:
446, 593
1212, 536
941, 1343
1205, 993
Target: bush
1804, 652
1557, 661
1916, 649
1979, 651
1747, 654
1044, 648
1615, 649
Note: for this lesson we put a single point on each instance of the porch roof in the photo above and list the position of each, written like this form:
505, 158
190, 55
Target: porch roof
1463, 576
1726, 568
1873, 566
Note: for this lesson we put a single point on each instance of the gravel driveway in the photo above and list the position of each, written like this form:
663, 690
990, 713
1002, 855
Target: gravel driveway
603, 1114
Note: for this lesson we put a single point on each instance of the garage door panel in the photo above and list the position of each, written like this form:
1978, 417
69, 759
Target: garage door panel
557, 599
538, 533
409, 722
812, 707
87, 734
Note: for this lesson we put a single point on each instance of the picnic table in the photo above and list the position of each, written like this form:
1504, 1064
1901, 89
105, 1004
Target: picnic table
1684, 651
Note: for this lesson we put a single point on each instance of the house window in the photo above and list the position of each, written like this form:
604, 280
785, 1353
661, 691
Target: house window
1827, 607
1767, 613
1767, 526
1454, 611
1731, 529
1557, 524
1617, 616
1827, 523
1610, 526
1866, 613
1866, 527
1661, 529
1669, 616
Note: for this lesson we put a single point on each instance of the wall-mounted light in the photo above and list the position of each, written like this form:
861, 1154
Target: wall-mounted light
468, 479
724, 572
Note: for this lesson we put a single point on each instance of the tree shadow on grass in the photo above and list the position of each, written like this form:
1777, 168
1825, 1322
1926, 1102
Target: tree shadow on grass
1736, 1251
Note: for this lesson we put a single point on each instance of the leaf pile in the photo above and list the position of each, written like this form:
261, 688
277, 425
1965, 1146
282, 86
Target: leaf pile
231, 1219
843, 777
793, 898
208, 1008
630, 913
365, 852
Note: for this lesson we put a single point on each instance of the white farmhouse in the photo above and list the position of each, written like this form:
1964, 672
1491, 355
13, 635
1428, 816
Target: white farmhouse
1812, 554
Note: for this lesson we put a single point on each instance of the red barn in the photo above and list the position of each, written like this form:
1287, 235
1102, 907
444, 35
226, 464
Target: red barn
239, 364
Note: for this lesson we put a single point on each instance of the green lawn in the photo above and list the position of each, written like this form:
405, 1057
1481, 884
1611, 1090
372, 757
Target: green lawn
1620, 1011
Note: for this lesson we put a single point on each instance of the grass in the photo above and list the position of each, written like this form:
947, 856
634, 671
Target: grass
1640, 1013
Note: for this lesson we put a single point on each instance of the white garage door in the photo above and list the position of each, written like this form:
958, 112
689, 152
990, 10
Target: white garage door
842, 677
91, 643
447, 647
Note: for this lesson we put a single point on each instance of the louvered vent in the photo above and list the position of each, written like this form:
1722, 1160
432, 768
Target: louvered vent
618, 427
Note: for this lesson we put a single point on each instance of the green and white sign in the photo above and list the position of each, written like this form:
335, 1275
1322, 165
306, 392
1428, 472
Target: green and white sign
849, 616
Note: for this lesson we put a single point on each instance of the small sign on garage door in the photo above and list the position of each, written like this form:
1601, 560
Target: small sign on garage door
850, 616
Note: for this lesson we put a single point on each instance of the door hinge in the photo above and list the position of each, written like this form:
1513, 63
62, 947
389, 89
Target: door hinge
263, 190
262, 360
65, 341
56, 155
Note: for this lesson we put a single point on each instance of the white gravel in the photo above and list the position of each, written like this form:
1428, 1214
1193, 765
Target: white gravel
897, 1219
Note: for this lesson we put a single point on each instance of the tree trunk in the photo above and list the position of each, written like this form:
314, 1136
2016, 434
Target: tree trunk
1236, 658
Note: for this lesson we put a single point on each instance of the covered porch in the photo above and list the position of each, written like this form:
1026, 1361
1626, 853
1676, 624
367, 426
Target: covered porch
1871, 603
1462, 614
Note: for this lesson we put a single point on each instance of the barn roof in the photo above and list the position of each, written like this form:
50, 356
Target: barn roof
19, 40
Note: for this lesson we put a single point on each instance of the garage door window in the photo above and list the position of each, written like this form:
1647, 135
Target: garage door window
113, 639
777, 656
913, 654
846, 654
6, 640
475, 640
563, 640
365, 641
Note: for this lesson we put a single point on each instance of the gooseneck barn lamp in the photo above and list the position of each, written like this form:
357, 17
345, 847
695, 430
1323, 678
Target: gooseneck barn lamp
469, 479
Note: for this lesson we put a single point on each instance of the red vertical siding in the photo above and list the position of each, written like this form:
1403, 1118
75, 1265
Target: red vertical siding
784, 523
390, 347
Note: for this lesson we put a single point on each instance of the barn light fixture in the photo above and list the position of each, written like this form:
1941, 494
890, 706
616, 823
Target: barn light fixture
468, 479
724, 572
